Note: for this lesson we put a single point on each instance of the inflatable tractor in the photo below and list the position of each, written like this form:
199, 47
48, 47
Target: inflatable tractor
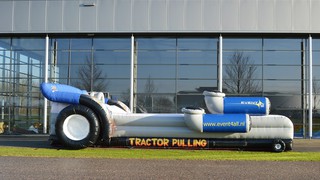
80, 119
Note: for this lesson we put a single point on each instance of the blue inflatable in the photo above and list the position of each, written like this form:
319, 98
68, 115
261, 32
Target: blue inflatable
250, 105
61, 93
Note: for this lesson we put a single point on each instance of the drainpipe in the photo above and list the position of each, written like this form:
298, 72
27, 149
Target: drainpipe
220, 65
310, 87
45, 102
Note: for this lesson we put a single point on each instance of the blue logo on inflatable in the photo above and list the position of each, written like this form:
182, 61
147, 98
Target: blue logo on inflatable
225, 123
251, 105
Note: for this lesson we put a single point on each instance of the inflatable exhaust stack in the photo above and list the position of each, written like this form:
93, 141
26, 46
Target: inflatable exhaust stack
217, 103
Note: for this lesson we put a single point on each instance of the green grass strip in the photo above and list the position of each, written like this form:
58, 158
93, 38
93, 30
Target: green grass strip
173, 154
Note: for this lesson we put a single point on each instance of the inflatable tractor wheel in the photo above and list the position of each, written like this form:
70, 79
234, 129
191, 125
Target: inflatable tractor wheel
77, 127
278, 146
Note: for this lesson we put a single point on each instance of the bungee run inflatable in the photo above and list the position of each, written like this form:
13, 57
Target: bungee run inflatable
79, 119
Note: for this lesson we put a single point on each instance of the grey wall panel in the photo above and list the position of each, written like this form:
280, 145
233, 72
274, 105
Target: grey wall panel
301, 15
175, 18
211, 15
6, 11
123, 15
248, 15
314, 16
70, 16
140, 15
157, 15
193, 15
88, 17
283, 14
54, 16
230, 15
265, 15
37, 16
105, 15
21, 16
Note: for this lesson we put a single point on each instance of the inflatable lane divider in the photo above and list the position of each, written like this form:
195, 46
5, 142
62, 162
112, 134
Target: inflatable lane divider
232, 123
61, 93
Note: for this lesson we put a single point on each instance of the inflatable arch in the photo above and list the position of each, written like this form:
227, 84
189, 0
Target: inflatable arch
80, 119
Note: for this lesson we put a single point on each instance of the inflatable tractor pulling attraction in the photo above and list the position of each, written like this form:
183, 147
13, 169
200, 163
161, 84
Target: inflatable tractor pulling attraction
80, 119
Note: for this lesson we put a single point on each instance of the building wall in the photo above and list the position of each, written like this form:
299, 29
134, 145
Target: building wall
165, 16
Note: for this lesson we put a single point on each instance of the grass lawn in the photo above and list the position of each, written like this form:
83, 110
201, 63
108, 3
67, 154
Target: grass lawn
169, 154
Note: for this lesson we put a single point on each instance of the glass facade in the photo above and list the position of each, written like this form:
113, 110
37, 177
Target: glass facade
170, 72
21, 72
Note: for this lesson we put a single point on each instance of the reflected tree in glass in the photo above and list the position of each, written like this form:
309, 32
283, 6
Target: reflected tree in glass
239, 74
92, 77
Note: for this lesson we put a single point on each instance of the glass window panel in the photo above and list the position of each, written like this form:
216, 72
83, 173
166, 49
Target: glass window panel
197, 57
81, 43
316, 130
118, 87
101, 71
22, 69
5, 43
316, 73
298, 130
245, 57
197, 72
282, 57
315, 58
282, 72
28, 43
197, 43
63, 71
61, 80
243, 87
156, 57
156, 71
280, 86
62, 58
156, 103
316, 99
158, 86
190, 100
61, 44
285, 101
113, 71
112, 57
231, 72
112, 43
196, 86
156, 43
282, 44
81, 57
315, 44
242, 44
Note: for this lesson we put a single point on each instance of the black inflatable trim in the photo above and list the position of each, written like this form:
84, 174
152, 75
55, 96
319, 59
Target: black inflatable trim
88, 101
89, 115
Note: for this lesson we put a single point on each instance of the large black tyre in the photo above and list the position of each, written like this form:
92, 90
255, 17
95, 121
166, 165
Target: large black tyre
278, 146
77, 127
